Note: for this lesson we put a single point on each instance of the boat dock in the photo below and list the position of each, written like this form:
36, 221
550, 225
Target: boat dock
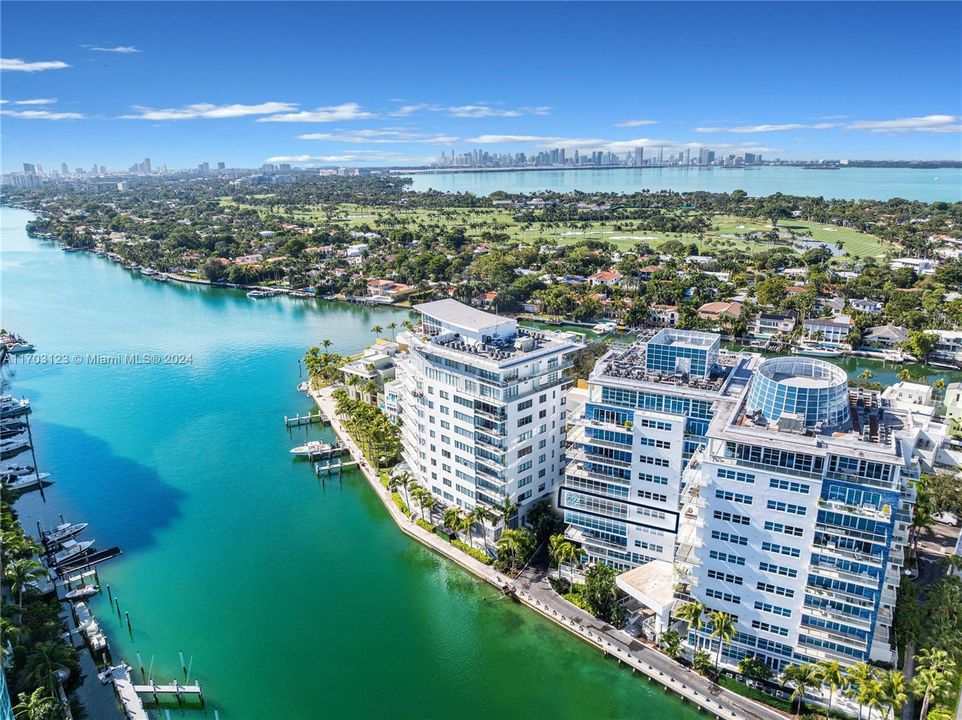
182, 692
333, 466
308, 419
88, 561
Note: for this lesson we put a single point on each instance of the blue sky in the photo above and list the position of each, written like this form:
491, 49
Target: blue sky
397, 83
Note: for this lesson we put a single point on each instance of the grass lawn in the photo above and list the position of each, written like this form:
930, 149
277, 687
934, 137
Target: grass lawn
477, 220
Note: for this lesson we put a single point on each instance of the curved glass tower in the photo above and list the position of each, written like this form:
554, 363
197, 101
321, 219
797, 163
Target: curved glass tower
812, 390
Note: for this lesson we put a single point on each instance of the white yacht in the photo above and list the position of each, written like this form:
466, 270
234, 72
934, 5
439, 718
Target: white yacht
314, 447
71, 549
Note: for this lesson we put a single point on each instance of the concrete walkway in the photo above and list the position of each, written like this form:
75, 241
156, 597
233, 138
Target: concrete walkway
536, 593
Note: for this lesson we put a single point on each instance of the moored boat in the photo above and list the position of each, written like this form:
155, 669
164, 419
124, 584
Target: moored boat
25, 483
815, 351
11, 448
314, 447
63, 532
71, 549
84, 591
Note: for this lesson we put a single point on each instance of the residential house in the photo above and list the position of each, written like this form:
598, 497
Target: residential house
720, 311
922, 266
485, 301
768, 325
885, 336
864, 305
828, 330
607, 278
387, 291
663, 315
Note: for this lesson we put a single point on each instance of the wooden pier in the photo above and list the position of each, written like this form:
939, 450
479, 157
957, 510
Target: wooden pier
308, 419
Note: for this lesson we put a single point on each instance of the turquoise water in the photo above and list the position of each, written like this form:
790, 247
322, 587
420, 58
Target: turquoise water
848, 183
295, 598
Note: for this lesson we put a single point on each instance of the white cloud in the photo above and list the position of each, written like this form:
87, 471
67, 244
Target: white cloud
486, 111
35, 101
333, 113
18, 65
767, 128
406, 110
41, 115
926, 123
358, 156
123, 49
208, 111
636, 123
379, 136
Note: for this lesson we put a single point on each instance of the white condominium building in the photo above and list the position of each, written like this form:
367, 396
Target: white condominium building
796, 514
482, 406
647, 412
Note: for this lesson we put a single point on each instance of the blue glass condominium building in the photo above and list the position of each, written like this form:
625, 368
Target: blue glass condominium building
796, 512
481, 404
647, 412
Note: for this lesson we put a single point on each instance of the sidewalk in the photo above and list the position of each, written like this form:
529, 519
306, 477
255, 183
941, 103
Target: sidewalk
537, 594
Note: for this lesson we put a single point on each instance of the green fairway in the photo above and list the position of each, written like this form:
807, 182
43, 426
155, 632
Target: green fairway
728, 231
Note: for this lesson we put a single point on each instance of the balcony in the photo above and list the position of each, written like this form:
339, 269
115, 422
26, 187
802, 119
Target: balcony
834, 636
833, 573
735, 462
884, 513
583, 456
579, 470
584, 537
856, 555
841, 596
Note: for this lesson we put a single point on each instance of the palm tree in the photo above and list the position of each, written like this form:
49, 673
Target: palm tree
37, 706
857, 678
45, 660
934, 673
801, 678
405, 482
561, 551
872, 695
479, 515
392, 326
905, 375
427, 503
22, 572
723, 627
830, 674
671, 643
701, 663
377, 330
692, 613
326, 344
507, 509
453, 518
894, 693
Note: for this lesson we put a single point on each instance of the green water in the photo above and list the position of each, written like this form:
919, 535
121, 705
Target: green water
296, 599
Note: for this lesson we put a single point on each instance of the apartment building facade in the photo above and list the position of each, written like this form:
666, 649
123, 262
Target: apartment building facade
796, 514
481, 405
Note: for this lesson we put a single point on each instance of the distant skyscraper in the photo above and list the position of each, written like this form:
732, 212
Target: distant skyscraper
203, 167
64, 169
221, 166
639, 156
147, 165
688, 156
30, 168
705, 156
661, 156
103, 169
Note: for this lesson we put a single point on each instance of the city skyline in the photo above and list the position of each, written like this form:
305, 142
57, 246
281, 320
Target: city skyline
71, 95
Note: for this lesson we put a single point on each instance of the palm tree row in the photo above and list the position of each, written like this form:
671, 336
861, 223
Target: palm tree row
868, 686
31, 627
375, 434
322, 367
